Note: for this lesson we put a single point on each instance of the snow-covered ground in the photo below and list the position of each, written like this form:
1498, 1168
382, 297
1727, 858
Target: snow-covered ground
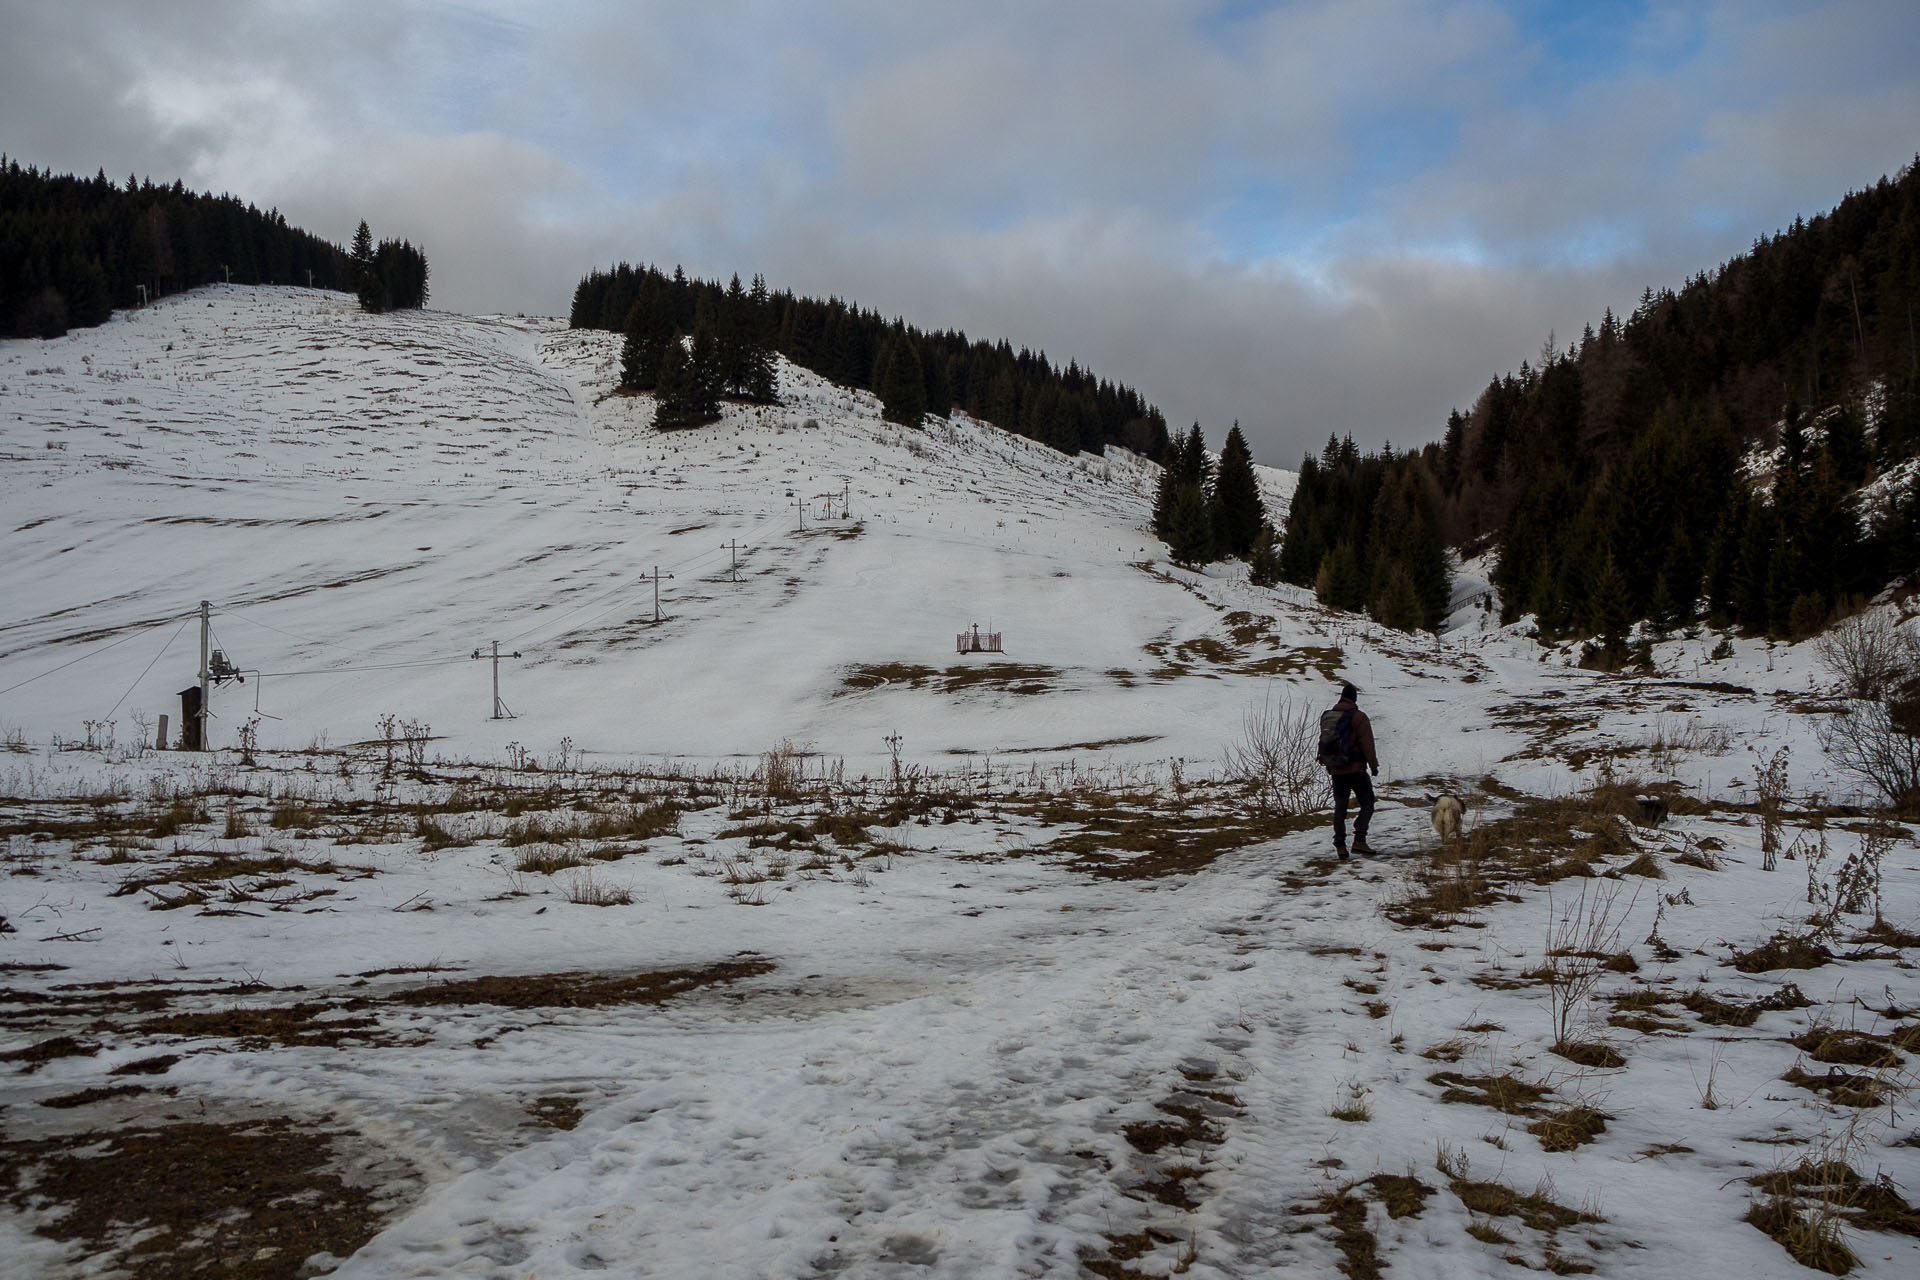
982, 994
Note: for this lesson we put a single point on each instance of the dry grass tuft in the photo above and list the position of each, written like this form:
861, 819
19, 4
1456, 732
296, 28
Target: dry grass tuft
1645, 865
1783, 951
1505, 1093
1590, 1053
1568, 1129
545, 859
1843, 1088
1812, 1240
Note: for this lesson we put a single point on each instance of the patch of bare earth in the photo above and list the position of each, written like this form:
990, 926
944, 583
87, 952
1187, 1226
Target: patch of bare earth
247, 1201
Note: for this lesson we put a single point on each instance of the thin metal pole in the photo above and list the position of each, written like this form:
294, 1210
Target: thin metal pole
496, 680
206, 676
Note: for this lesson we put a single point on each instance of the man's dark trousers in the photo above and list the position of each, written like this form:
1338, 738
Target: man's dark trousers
1359, 786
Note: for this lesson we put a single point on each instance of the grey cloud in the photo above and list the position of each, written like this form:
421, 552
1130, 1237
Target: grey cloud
1078, 177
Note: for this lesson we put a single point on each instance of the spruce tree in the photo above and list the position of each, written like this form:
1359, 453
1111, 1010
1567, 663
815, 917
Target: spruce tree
1239, 512
1263, 565
903, 392
1395, 603
1607, 610
1190, 527
361, 256
1338, 584
1166, 491
705, 376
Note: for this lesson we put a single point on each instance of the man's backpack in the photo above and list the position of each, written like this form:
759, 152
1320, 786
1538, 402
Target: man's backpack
1336, 738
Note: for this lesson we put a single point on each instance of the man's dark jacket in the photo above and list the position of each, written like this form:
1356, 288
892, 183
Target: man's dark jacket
1361, 736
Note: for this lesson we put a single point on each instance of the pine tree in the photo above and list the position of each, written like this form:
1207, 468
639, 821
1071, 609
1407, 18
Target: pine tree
1263, 565
1239, 512
1190, 527
1166, 491
1395, 603
367, 281
1338, 584
1607, 610
903, 392
361, 255
672, 388
705, 376
733, 333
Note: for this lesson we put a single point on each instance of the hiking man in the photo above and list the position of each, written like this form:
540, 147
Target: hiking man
1346, 749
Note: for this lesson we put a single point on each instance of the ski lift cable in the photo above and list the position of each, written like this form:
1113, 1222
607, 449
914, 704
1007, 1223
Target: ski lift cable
341, 671
294, 635
143, 674
617, 596
91, 653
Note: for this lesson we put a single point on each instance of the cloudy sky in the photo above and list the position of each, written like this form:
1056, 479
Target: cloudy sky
1338, 216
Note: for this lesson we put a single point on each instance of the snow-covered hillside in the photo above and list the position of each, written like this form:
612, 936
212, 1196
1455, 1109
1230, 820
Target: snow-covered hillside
775, 938
366, 500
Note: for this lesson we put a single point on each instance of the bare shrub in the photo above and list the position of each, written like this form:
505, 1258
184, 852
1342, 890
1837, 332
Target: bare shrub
1869, 653
1275, 759
1770, 787
1580, 942
1673, 737
1869, 741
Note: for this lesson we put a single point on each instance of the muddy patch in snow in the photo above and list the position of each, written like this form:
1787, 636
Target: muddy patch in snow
253, 1198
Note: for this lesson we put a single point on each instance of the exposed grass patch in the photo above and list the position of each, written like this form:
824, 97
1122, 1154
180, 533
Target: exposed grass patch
1847, 1048
1402, 1195
1189, 1126
581, 990
98, 1093
200, 869
255, 1029
1122, 843
1590, 1053
1504, 1093
1811, 1240
546, 859
1006, 677
1537, 1209
1783, 951
1569, 1128
1645, 865
617, 822
1716, 1012
37, 1055
251, 1201
1842, 1088
584, 890
556, 1111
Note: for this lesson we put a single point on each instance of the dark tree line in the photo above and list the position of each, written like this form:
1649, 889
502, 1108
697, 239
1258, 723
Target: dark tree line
1613, 476
392, 277
1363, 532
690, 358
914, 373
1612, 472
73, 249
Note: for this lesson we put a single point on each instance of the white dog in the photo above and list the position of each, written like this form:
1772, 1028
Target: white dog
1448, 812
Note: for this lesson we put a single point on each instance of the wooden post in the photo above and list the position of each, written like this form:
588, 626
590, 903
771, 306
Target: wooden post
160, 739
